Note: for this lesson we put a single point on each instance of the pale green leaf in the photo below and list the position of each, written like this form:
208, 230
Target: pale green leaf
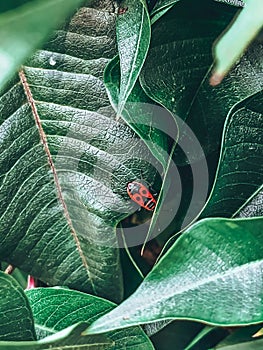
231, 46
212, 274
25, 28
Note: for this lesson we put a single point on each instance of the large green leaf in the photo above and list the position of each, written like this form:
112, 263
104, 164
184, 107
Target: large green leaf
55, 309
212, 274
239, 191
177, 69
68, 339
140, 113
239, 174
143, 116
65, 162
133, 38
25, 27
234, 42
158, 129
16, 321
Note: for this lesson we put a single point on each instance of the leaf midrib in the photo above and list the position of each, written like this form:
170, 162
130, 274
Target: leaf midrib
43, 140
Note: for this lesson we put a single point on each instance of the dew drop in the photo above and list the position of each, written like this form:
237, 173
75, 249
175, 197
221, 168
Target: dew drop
52, 61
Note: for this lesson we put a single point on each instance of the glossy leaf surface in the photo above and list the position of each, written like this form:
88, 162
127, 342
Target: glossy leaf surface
177, 70
161, 7
239, 174
212, 273
133, 38
140, 113
24, 28
65, 162
68, 339
231, 46
16, 321
56, 308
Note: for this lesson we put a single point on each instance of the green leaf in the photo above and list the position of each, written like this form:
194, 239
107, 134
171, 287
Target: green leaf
211, 274
57, 308
16, 322
18, 275
65, 162
70, 338
160, 8
139, 112
207, 337
177, 335
239, 175
143, 116
253, 345
11, 4
25, 28
233, 43
253, 207
177, 68
133, 38
240, 335
159, 131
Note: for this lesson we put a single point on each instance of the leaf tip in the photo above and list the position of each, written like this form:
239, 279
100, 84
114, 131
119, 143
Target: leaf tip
216, 79
94, 328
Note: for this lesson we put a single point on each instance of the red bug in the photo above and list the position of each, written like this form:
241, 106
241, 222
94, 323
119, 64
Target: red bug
141, 195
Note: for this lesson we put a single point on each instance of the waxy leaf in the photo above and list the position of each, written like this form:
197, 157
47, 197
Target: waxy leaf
16, 321
234, 42
240, 169
56, 308
133, 38
68, 339
140, 113
65, 162
25, 28
253, 207
177, 69
213, 273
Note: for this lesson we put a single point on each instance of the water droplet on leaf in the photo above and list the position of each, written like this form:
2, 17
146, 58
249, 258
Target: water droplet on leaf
52, 61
